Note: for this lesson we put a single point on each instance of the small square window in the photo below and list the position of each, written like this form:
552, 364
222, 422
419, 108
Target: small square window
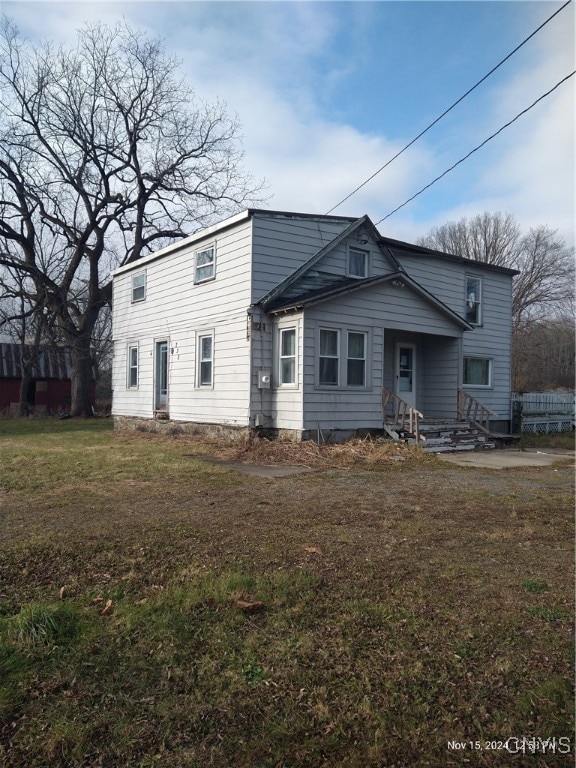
139, 287
204, 267
357, 263
477, 372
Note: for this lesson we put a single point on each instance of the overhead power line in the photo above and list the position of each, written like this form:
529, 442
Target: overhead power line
433, 123
478, 147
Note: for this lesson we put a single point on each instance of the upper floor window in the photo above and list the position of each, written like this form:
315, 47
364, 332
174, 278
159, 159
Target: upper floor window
205, 264
474, 300
139, 287
357, 263
287, 345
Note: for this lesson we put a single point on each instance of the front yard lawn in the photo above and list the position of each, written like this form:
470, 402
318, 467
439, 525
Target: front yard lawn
159, 609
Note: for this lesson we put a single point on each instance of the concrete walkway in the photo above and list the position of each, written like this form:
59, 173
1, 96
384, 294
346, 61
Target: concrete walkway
506, 458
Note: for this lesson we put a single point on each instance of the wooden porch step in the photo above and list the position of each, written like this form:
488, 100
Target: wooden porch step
443, 436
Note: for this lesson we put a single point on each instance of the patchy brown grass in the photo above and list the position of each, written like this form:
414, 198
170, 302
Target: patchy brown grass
158, 609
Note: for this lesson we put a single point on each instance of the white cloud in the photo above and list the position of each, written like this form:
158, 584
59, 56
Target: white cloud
273, 63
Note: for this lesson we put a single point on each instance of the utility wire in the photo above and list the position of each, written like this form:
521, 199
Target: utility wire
433, 123
478, 147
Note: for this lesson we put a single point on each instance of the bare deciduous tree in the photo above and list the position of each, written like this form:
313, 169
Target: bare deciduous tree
544, 355
545, 285
105, 155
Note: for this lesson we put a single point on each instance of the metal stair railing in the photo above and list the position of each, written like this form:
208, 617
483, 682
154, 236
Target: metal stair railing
406, 417
474, 411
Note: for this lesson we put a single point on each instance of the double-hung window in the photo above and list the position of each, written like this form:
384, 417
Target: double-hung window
205, 264
356, 359
474, 300
357, 263
329, 370
133, 366
205, 367
343, 358
477, 372
287, 357
139, 287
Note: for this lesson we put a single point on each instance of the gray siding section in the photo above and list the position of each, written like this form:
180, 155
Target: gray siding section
384, 313
439, 380
282, 244
446, 280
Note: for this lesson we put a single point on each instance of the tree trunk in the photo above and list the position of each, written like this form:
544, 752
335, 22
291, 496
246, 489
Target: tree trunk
25, 379
81, 378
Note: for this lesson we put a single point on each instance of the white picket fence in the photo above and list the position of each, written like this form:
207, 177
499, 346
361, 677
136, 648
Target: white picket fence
543, 412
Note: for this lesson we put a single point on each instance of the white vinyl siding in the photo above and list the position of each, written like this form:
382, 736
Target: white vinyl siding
281, 405
175, 304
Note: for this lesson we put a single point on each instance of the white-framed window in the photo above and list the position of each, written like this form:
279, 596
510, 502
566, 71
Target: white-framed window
474, 300
329, 358
287, 344
205, 264
139, 287
205, 357
477, 372
357, 265
356, 359
343, 357
132, 377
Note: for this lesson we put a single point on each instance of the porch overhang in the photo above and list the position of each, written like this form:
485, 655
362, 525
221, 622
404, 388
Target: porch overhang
349, 285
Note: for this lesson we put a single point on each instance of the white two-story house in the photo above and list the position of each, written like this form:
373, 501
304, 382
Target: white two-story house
288, 322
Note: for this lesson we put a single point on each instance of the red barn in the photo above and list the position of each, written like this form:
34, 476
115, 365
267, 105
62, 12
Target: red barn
49, 389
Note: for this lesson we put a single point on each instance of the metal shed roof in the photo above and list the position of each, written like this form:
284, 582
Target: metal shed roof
51, 363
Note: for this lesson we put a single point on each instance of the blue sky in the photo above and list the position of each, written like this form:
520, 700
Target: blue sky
327, 92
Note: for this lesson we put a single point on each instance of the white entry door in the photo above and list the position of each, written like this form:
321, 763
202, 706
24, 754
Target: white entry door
406, 372
161, 376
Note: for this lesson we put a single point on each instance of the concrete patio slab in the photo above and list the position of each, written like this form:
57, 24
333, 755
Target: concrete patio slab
504, 459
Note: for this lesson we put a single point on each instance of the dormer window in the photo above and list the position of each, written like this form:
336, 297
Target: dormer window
357, 263
474, 300
139, 287
205, 264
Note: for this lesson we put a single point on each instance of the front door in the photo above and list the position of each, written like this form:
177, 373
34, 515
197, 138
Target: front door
161, 376
406, 373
